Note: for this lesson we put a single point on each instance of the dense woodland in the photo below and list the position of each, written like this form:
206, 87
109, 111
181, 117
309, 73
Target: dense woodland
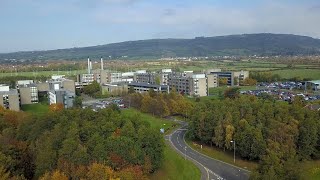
78, 144
159, 104
276, 134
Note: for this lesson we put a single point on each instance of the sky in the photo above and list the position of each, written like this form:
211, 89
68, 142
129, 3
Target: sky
27, 25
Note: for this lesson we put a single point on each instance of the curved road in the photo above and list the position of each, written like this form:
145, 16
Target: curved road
211, 169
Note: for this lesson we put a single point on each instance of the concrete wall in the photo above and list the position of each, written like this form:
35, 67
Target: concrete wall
69, 85
1, 100
25, 95
43, 87
212, 80
14, 102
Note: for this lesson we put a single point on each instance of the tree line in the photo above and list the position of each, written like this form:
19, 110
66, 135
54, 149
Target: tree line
78, 144
159, 104
277, 134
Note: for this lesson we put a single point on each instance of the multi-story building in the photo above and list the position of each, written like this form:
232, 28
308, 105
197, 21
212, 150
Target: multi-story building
85, 79
213, 80
114, 89
9, 98
28, 94
189, 84
160, 78
62, 83
145, 87
64, 97
232, 76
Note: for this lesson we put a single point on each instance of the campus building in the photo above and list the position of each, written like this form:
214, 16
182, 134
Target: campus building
233, 78
9, 98
189, 84
114, 89
145, 87
28, 94
60, 96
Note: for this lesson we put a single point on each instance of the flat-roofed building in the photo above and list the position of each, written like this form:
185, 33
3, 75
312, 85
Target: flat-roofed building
145, 87
43, 87
160, 78
9, 99
64, 97
212, 80
28, 94
233, 78
114, 89
189, 84
24, 82
62, 84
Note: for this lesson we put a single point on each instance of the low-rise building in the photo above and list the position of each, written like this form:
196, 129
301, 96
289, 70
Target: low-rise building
233, 78
114, 89
145, 87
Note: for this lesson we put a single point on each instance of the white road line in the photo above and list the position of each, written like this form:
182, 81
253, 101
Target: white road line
213, 158
208, 176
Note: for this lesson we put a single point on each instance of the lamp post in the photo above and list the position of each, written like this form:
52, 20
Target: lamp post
234, 150
185, 152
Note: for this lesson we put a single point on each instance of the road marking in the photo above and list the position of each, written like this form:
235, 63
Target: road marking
213, 158
208, 175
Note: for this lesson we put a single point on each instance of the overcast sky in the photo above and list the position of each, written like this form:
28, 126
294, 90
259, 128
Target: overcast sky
53, 24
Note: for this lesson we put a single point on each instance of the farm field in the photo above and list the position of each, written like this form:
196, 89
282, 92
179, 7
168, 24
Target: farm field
313, 74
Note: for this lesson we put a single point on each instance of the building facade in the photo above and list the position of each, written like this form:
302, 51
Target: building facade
9, 99
28, 94
145, 87
64, 97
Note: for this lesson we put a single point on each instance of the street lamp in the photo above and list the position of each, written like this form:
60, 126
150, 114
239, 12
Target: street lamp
185, 152
234, 150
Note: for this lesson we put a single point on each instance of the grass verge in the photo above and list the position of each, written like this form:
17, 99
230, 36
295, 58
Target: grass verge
310, 170
175, 167
35, 108
221, 155
155, 122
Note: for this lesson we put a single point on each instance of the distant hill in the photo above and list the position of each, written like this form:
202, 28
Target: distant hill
236, 45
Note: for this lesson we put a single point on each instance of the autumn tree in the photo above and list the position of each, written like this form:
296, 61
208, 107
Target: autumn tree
223, 81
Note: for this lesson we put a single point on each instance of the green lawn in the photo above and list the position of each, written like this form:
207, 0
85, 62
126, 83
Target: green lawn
175, 167
35, 108
225, 156
43, 73
310, 170
302, 73
155, 122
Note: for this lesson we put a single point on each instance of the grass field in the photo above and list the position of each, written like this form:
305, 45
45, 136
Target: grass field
302, 73
43, 73
225, 156
175, 167
310, 170
35, 108
155, 122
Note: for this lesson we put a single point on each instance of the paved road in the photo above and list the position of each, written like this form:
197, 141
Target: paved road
211, 169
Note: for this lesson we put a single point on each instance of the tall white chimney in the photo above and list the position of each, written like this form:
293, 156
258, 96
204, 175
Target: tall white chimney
101, 63
89, 65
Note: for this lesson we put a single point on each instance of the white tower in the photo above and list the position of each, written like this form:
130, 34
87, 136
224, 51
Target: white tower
101, 63
89, 62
